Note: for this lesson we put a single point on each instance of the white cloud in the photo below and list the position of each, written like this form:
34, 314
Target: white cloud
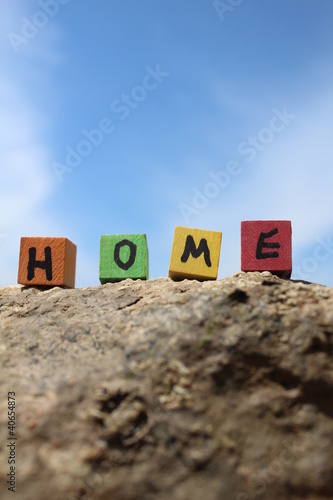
295, 172
26, 181
291, 178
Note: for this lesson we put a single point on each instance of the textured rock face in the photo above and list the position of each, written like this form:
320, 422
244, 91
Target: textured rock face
188, 390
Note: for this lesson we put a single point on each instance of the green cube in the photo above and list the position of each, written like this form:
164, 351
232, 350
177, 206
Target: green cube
123, 256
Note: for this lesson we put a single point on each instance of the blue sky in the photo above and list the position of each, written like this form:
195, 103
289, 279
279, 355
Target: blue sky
211, 113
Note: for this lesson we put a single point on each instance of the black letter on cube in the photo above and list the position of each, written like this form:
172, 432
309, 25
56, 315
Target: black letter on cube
262, 244
41, 264
190, 248
131, 260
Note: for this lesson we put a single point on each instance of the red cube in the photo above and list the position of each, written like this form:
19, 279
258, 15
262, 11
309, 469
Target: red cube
266, 246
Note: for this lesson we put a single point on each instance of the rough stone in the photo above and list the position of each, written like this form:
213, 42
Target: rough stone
159, 389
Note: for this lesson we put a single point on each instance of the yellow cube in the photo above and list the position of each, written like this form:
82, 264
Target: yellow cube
195, 254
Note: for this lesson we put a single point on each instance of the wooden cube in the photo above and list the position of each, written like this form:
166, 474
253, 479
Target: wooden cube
195, 254
123, 256
46, 261
266, 246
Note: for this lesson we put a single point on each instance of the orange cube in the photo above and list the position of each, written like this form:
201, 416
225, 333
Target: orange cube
46, 261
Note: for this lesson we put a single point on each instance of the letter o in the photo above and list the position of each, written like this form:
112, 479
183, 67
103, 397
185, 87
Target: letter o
310, 265
139, 94
84, 148
275, 468
259, 484
40, 14
125, 265
266, 132
92, 480
317, 256
208, 190
284, 460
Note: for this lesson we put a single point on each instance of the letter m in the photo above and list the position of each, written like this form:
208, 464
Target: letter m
191, 249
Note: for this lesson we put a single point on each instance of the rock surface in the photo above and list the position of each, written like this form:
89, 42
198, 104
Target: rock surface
165, 390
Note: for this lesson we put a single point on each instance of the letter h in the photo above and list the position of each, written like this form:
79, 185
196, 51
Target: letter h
41, 264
